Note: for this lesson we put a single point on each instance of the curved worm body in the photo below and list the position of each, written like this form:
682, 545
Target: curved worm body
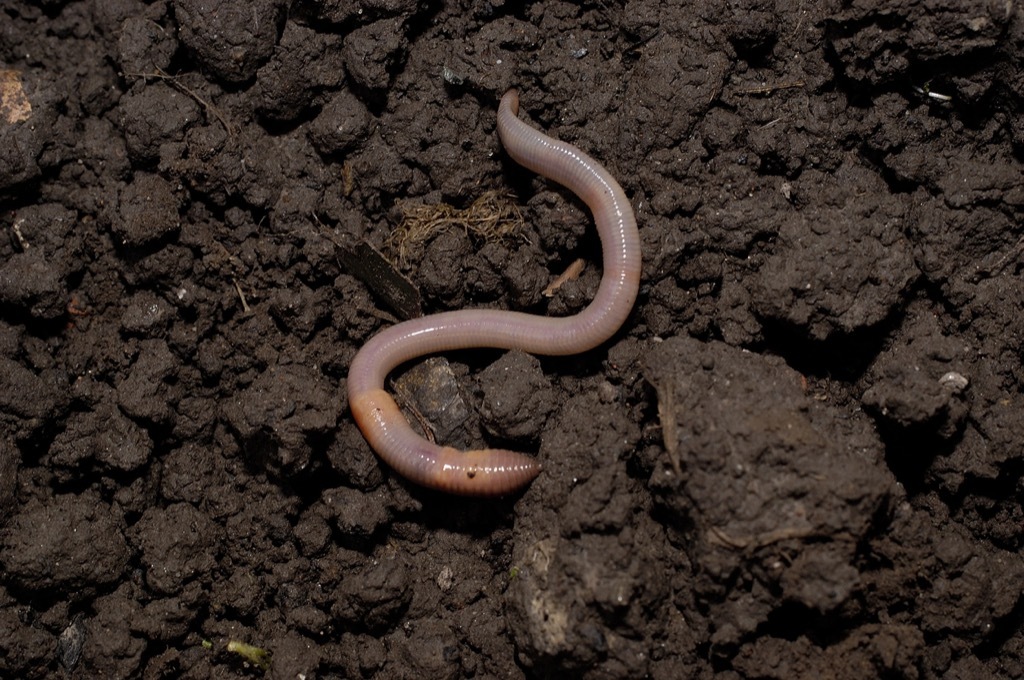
492, 472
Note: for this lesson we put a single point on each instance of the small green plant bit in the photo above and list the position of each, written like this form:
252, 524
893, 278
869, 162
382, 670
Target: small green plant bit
257, 656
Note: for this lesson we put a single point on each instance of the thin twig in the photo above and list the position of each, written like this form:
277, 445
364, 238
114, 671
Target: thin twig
174, 81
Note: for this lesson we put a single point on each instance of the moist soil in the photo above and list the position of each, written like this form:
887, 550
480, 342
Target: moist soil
802, 455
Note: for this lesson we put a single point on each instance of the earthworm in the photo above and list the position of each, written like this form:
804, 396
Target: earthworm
493, 472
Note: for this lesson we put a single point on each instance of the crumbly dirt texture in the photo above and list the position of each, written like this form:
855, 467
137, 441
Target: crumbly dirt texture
801, 457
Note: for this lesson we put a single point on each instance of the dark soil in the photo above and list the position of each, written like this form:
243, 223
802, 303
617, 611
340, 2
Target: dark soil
802, 457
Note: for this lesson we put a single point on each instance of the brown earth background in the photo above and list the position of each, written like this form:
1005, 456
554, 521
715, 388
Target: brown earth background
801, 457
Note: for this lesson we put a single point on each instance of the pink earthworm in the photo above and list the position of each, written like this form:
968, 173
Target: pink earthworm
494, 472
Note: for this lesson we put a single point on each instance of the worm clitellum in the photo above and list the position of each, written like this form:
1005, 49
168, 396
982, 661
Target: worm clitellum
492, 472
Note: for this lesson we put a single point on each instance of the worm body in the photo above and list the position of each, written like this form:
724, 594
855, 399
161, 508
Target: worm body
492, 472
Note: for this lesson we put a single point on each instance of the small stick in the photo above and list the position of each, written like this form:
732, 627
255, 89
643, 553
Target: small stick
173, 80
571, 273
22, 241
